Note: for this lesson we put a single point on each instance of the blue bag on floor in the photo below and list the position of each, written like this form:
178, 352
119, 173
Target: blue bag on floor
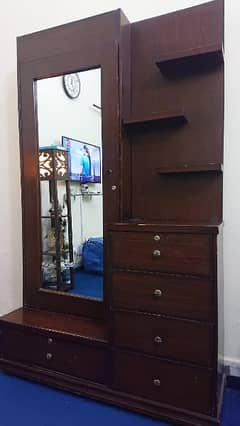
92, 255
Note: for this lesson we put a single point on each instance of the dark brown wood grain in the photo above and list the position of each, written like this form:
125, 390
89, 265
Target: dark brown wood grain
161, 120
189, 341
63, 355
72, 37
43, 55
182, 386
161, 198
186, 297
173, 253
191, 168
191, 60
177, 199
125, 107
57, 323
153, 228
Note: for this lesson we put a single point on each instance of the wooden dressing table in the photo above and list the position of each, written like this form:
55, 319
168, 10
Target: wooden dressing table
155, 343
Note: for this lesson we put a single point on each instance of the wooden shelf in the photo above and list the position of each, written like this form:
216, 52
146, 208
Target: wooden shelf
190, 168
163, 118
202, 56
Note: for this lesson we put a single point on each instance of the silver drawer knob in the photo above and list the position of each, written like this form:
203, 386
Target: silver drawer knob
156, 253
157, 237
49, 356
156, 382
50, 340
157, 292
158, 339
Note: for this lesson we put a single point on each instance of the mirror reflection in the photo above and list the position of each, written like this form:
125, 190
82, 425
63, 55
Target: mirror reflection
70, 159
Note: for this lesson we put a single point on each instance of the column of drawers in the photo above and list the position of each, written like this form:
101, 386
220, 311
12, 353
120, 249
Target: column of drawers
164, 317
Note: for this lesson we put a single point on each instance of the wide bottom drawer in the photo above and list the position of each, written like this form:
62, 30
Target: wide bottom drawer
55, 353
165, 382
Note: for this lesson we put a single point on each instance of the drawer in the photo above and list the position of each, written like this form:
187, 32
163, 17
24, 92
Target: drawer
189, 341
166, 252
168, 383
182, 296
52, 352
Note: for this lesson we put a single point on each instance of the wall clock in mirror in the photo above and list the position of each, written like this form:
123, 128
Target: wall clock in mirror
72, 85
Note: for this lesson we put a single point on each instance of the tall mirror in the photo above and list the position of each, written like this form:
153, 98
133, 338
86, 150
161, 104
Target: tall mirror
70, 168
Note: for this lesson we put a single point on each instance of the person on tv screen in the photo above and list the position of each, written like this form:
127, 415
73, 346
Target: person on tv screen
85, 164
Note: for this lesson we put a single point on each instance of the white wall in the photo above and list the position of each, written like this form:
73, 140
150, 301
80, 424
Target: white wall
22, 17
231, 184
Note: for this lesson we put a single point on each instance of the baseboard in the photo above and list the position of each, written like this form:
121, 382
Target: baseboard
232, 366
232, 370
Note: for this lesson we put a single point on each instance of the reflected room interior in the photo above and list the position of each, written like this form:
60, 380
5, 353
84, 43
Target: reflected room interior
70, 165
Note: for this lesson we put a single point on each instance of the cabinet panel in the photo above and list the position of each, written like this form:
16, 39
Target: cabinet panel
51, 352
165, 382
173, 253
180, 296
181, 340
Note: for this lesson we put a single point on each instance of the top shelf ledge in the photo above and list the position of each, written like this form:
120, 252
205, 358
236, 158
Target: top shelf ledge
208, 55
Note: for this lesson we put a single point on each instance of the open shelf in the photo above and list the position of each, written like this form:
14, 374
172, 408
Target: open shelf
190, 168
163, 118
202, 56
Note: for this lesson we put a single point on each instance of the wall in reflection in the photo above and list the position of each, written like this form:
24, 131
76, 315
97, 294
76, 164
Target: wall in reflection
72, 206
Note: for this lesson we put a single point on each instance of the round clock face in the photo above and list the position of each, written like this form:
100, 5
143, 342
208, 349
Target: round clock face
72, 85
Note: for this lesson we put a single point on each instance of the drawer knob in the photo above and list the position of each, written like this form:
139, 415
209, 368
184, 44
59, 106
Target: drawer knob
158, 339
157, 292
156, 382
50, 340
157, 237
49, 356
156, 253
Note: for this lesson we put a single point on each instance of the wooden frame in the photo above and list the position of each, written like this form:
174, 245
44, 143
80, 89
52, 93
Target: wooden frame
48, 61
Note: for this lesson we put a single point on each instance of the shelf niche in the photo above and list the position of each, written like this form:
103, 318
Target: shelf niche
191, 60
190, 168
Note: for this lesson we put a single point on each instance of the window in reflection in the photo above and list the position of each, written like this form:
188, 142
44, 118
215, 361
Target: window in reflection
70, 160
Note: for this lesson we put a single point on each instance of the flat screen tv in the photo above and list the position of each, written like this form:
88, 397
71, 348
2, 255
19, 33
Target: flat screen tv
84, 160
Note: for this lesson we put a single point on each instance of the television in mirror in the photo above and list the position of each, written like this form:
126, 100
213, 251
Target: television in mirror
84, 160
